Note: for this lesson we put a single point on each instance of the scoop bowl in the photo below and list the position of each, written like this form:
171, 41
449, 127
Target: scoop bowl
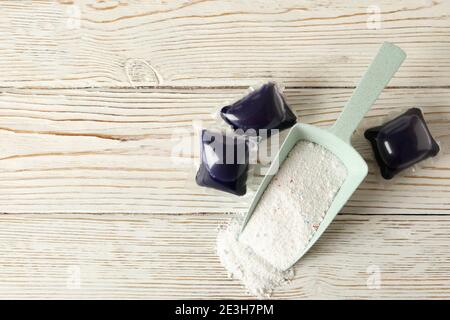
336, 138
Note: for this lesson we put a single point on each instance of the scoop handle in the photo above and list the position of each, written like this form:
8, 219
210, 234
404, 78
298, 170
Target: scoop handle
381, 70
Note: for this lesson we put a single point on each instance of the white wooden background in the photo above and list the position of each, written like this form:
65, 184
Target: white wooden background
92, 92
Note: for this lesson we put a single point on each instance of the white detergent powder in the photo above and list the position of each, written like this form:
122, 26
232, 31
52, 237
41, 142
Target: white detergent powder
286, 217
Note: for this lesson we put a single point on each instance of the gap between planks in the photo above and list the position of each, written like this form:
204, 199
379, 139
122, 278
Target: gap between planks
174, 87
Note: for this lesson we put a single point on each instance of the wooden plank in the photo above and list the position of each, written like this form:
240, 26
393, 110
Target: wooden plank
210, 43
167, 256
111, 151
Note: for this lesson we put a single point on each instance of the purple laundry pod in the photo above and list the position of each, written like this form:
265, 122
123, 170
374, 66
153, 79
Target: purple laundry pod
264, 108
401, 142
224, 162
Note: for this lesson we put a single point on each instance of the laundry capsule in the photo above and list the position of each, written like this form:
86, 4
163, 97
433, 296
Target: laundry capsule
401, 142
264, 108
224, 162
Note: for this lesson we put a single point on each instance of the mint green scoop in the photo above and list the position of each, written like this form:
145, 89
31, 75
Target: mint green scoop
337, 137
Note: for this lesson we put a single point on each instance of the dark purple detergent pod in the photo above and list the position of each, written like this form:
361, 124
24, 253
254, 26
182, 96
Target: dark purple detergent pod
401, 142
224, 162
264, 108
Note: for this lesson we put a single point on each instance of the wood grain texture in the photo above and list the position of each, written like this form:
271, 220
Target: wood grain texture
112, 150
94, 94
209, 43
167, 256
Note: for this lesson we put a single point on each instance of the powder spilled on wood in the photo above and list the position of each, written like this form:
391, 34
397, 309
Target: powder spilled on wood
285, 219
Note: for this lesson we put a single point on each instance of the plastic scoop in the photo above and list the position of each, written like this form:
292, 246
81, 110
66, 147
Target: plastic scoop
337, 137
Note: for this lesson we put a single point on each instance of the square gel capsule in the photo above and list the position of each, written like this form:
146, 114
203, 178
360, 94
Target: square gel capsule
223, 162
401, 142
264, 108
